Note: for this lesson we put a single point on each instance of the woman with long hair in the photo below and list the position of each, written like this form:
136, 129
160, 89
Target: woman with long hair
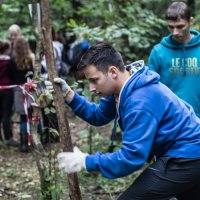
20, 67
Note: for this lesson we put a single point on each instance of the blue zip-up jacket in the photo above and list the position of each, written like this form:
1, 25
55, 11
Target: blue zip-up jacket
154, 121
179, 67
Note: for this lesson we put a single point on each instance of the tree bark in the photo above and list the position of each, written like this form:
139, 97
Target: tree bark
61, 112
39, 153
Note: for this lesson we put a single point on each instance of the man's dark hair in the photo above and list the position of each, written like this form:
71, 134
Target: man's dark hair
177, 11
102, 56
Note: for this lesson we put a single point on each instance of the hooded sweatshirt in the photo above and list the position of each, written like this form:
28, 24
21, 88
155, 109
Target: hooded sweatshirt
154, 121
179, 67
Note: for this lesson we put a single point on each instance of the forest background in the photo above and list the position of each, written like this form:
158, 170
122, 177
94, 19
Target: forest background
133, 27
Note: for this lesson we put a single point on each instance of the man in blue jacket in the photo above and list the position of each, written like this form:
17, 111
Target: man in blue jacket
177, 57
153, 119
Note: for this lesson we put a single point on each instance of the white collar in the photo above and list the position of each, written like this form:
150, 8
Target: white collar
4, 57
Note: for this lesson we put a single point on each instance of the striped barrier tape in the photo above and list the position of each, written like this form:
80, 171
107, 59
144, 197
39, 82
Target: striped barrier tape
26, 88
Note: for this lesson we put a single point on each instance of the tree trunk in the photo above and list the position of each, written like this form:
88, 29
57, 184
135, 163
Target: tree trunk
58, 98
39, 153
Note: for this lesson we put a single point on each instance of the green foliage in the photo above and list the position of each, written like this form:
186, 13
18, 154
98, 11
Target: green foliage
53, 132
100, 142
51, 188
124, 24
30, 73
132, 26
196, 24
15, 12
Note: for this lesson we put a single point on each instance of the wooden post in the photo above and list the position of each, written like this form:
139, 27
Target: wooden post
63, 124
39, 152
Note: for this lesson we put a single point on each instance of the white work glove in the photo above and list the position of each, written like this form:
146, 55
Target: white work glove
64, 86
71, 162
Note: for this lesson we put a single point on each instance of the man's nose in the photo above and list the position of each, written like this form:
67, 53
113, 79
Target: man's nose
92, 88
175, 31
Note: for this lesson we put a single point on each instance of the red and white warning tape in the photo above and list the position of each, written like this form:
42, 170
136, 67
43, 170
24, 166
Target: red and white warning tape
26, 88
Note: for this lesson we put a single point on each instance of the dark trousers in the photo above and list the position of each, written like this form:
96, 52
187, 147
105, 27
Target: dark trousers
6, 105
167, 178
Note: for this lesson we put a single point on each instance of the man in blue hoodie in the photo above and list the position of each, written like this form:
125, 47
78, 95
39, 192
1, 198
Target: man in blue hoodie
154, 121
177, 57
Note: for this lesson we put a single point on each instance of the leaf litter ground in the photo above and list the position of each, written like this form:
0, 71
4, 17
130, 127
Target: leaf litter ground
20, 177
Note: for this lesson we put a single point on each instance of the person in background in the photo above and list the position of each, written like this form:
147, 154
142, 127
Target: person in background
14, 32
21, 68
170, 131
62, 68
76, 50
6, 95
177, 57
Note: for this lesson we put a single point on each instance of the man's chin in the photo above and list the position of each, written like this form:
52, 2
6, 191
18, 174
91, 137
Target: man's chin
104, 95
179, 40
101, 95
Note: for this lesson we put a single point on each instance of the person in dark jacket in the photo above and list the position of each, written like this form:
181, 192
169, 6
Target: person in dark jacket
6, 95
154, 121
177, 57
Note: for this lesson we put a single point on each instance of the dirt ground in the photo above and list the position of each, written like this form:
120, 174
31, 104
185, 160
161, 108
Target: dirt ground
19, 178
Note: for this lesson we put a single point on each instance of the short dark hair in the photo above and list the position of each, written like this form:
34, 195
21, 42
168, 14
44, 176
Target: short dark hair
178, 10
101, 55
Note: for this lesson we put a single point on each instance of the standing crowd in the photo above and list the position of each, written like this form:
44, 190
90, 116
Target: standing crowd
17, 68
17, 60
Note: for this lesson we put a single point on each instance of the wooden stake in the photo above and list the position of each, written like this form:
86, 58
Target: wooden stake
63, 124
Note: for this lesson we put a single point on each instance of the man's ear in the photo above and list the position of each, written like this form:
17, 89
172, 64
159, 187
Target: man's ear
191, 20
113, 72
